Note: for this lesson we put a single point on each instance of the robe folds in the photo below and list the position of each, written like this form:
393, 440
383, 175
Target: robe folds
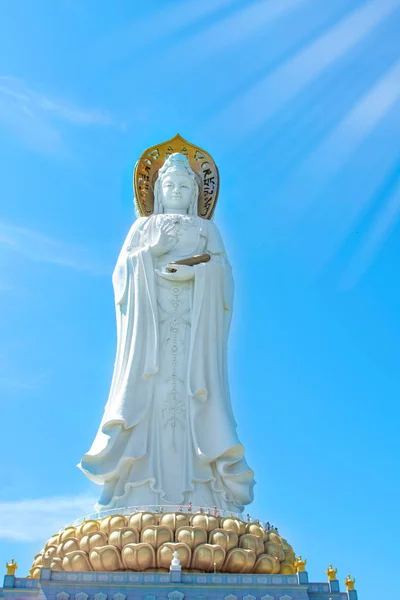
129, 453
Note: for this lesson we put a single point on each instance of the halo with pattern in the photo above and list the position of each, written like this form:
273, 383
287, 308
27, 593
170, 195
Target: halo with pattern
146, 171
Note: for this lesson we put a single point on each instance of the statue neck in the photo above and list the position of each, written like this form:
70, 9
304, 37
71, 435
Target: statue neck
175, 211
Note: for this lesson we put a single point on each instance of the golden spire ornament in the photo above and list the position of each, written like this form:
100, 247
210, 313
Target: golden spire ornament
349, 583
331, 572
300, 564
11, 567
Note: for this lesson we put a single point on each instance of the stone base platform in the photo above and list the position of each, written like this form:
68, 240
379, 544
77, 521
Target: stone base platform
52, 585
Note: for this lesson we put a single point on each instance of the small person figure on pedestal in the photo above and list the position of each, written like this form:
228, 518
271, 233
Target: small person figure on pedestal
248, 518
268, 526
201, 510
190, 506
180, 509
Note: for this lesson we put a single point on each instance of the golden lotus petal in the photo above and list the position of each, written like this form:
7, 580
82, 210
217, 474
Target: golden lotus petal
256, 529
267, 564
287, 568
51, 551
248, 541
166, 551
274, 538
192, 536
287, 547
56, 564
141, 520
174, 520
157, 535
139, 557
239, 560
35, 573
87, 527
122, 537
53, 541
113, 522
95, 539
205, 555
232, 524
37, 560
67, 533
67, 546
274, 550
290, 556
226, 539
107, 558
78, 560
207, 522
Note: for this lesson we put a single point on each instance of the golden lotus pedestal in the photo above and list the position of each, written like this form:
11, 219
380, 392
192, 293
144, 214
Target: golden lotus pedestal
146, 541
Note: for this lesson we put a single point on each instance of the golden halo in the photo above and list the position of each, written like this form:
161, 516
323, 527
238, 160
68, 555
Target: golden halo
152, 159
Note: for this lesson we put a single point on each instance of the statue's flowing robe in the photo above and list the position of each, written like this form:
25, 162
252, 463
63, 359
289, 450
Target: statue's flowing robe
123, 456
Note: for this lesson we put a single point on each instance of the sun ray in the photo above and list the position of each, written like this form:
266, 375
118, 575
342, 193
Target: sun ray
374, 240
272, 92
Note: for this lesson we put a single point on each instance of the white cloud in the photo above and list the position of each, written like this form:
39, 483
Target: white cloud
38, 519
36, 118
32, 245
29, 101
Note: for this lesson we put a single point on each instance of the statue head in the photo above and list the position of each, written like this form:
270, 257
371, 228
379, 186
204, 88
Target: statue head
176, 186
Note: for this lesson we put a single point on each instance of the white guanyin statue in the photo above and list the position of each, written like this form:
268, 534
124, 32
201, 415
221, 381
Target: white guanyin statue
168, 435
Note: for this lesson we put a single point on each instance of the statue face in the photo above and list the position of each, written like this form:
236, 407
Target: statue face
176, 192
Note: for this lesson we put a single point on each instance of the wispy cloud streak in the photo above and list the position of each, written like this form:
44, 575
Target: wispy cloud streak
29, 101
32, 245
36, 118
38, 519
268, 96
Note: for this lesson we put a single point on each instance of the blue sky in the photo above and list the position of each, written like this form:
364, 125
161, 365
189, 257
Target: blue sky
298, 102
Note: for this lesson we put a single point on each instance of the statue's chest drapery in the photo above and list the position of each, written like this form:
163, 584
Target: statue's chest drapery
189, 232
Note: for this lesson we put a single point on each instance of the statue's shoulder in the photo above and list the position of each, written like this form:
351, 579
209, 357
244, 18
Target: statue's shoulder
138, 225
214, 239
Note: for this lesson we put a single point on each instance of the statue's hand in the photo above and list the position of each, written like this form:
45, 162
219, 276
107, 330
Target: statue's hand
166, 240
182, 273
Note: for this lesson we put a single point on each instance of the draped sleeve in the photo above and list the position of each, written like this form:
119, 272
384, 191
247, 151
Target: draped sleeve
120, 274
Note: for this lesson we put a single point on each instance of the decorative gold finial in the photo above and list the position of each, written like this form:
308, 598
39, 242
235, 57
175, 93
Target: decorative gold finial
11, 567
349, 583
300, 564
331, 572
